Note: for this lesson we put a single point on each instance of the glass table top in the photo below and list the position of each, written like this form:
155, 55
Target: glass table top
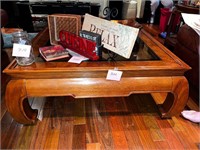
140, 52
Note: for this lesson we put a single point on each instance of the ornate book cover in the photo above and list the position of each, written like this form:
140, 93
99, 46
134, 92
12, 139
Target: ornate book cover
67, 22
50, 53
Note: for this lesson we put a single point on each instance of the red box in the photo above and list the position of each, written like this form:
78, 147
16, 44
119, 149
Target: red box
164, 18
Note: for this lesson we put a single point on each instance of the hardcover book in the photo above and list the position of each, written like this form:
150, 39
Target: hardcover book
55, 52
79, 45
93, 37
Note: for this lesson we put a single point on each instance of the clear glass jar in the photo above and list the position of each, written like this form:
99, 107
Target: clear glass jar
21, 37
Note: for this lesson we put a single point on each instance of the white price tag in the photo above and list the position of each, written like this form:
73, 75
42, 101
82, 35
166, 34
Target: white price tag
114, 75
77, 59
20, 50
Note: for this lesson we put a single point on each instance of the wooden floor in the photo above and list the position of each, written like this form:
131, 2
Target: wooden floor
102, 123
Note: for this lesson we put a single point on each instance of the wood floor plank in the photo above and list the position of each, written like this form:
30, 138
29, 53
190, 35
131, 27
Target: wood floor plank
187, 144
6, 122
110, 123
129, 126
93, 146
66, 135
189, 127
148, 106
79, 137
52, 139
25, 137
170, 136
55, 121
66, 113
36, 136
10, 139
118, 134
54, 126
142, 129
39, 138
91, 129
162, 145
144, 134
79, 112
3, 107
175, 124
172, 139
119, 138
102, 124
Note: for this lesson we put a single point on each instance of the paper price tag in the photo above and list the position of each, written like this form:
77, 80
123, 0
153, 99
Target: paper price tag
114, 75
20, 50
77, 59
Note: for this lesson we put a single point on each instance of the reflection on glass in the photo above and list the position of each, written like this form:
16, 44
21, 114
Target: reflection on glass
141, 52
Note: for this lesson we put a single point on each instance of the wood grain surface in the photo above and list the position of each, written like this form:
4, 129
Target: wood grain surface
110, 123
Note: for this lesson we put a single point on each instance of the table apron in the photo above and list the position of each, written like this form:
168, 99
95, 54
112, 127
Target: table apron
97, 87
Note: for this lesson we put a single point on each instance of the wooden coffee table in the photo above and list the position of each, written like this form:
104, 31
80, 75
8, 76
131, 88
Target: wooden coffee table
162, 72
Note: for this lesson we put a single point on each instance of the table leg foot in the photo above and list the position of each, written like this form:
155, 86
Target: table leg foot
17, 102
177, 99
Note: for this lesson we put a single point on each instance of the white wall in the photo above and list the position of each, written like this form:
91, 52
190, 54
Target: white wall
140, 8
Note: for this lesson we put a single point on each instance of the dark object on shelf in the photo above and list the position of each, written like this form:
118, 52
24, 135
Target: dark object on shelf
29, 10
110, 13
147, 13
79, 8
25, 19
115, 8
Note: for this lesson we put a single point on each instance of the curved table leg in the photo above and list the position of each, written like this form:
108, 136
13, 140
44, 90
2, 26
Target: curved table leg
17, 102
177, 99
